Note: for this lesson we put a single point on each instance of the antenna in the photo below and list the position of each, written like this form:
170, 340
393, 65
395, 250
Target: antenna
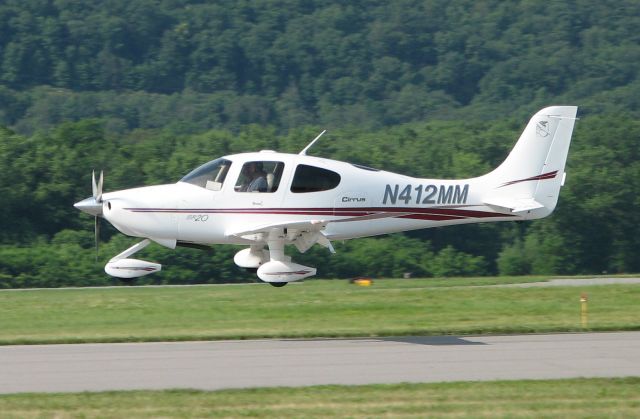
304, 152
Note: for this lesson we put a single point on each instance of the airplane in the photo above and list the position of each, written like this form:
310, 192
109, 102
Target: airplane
267, 200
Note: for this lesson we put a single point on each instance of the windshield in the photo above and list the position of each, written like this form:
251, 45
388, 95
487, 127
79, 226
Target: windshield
210, 175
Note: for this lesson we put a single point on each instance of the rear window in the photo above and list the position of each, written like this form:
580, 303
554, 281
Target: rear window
313, 179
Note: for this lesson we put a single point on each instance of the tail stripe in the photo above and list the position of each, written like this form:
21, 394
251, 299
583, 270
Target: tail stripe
543, 176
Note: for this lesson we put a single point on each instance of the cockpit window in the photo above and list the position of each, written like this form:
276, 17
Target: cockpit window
259, 176
210, 175
313, 179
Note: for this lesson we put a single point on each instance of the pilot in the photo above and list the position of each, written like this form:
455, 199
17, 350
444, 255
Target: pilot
256, 178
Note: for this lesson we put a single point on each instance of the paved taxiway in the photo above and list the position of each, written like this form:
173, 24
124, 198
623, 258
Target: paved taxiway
259, 363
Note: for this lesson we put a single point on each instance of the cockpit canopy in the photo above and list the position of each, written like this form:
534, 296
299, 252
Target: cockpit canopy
263, 176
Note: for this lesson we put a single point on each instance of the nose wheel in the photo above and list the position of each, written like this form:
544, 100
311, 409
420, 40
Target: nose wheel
278, 284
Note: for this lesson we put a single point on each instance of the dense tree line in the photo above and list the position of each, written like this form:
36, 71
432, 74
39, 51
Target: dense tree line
194, 65
595, 229
149, 89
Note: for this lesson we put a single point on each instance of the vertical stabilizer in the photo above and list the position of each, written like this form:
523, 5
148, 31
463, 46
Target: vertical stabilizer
531, 176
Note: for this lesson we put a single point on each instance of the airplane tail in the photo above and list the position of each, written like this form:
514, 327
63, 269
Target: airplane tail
533, 173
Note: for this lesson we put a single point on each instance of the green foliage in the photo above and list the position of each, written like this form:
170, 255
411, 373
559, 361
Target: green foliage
193, 65
513, 260
391, 256
450, 262
47, 243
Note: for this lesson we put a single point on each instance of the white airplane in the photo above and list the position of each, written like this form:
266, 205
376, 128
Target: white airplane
267, 200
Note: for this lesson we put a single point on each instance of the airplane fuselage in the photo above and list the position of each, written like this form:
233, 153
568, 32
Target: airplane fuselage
371, 202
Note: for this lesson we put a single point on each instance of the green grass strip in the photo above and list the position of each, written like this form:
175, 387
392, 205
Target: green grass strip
311, 309
581, 398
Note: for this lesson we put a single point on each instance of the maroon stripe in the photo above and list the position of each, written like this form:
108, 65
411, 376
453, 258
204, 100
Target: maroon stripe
435, 214
430, 217
540, 177
543, 176
295, 210
355, 211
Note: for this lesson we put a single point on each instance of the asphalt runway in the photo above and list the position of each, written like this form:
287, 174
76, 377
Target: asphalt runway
266, 363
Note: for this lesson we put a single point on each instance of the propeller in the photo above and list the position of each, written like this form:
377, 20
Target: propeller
93, 205
97, 188
97, 196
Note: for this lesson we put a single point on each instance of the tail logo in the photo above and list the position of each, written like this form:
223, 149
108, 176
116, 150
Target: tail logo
542, 129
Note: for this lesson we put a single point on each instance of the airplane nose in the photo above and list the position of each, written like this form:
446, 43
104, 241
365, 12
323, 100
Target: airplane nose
90, 206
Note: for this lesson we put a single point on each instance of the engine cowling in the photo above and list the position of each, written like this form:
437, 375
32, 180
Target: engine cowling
131, 268
279, 271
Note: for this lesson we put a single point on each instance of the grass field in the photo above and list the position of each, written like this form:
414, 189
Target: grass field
610, 398
311, 309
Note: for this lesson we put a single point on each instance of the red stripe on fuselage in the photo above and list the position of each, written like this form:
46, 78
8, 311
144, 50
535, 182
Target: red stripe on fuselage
435, 214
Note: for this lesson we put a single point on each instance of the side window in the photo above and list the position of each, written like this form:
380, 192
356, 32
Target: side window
259, 176
313, 179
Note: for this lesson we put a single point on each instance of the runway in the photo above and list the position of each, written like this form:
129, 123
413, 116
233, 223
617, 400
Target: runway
266, 363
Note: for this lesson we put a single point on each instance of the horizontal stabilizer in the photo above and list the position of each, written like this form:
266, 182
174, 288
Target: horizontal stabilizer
514, 205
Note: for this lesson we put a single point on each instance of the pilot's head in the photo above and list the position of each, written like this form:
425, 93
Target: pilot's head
252, 168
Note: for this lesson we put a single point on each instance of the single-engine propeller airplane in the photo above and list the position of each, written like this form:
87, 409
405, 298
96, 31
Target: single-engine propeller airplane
267, 200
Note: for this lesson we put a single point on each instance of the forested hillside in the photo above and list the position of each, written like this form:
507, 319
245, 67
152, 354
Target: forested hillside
193, 65
147, 90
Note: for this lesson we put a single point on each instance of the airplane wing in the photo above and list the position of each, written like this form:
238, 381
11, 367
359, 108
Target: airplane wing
311, 224
307, 225
304, 233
